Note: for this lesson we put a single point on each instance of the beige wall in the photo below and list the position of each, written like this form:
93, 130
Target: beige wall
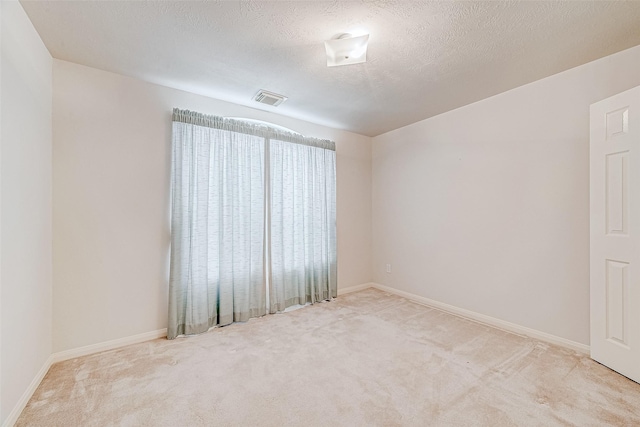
25, 177
111, 160
487, 207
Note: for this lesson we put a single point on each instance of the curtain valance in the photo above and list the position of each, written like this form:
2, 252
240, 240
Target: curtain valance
255, 129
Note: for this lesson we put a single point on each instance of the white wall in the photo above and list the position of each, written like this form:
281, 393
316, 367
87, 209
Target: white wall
25, 177
111, 159
487, 207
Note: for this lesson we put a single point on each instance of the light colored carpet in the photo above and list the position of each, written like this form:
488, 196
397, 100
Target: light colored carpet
367, 358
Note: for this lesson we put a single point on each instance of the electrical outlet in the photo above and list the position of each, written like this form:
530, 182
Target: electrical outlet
388, 268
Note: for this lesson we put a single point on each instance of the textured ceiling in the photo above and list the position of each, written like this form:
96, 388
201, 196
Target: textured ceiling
424, 57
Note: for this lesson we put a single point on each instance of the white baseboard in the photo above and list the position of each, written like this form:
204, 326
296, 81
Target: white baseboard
356, 288
488, 320
108, 345
24, 399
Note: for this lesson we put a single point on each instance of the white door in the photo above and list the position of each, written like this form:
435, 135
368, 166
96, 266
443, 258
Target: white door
615, 233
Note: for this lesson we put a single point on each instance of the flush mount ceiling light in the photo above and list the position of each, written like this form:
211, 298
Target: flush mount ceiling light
346, 50
269, 98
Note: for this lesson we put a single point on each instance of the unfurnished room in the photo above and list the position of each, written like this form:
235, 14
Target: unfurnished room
319, 213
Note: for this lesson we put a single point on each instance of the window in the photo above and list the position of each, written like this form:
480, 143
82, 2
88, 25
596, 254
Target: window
253, 221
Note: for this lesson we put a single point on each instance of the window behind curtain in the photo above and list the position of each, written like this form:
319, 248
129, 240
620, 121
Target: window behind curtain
233, 184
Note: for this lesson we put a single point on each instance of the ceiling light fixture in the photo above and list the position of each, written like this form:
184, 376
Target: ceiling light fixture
346, 50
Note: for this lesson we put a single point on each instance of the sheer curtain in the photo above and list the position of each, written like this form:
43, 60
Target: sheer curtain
303, 217
217, 223
253, 208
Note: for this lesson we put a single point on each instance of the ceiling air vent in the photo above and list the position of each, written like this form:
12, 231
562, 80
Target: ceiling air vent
269, 98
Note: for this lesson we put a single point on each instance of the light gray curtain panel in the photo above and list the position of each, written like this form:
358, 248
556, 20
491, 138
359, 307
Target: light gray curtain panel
303, 232
253, 221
